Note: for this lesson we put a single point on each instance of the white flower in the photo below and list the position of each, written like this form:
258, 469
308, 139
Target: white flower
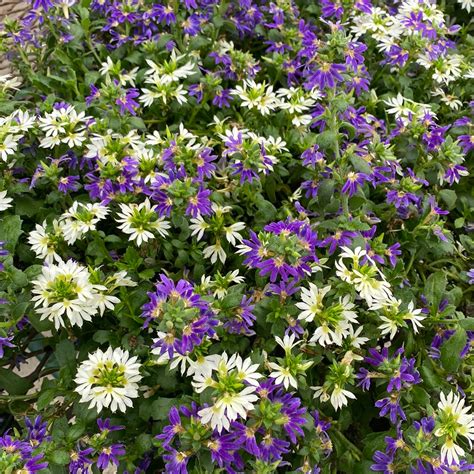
214, 251
80, 219
288, 342
312, 301
169, 71
466, 4
237, 404
334, 321
452, 420
226, 376
140, 221
393, 318
65, 290
415, 316
355, 254
215, 416
7, 81
259, 96
198, 227
44, 244
106, 302
282, 375
371, 288
63, 125
389, 326
24, 120
450, 100
4, 201
109, 379
448, 69
232, 232
8, 146
203, 365
355, 339
338, 397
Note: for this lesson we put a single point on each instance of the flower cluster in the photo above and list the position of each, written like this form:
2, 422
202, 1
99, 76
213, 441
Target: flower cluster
241, 232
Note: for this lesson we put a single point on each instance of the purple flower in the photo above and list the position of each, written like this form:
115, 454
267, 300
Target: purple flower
197, 90
311, 156
222, 449
364, 377
106, 427
176, 462
427, 425
242, 318
277, 47
245, 435
293, 416
11, 445
3, 253
354, 180
469, 344
45, 4
94, 94
470, 275
199, 204
330, 9
392, 252
340, 238
466, 142
5, 342
164, 14
68, 183
406, 375
36, 430
391, 405
396, 56
328, 75
442, 336
182, 316
126, 102
222, 98
383, 462
173, 429
109, 455
454, 172
284, 289
192, 25
34, 465
282, 261
80, 462
272, 448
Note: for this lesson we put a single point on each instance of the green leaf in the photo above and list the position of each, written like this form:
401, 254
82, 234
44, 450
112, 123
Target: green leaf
45, 398
450, 351
60, 457
27, 206
10, 231
161, 407
360, 164
449, 197
467, 324
66, 354
13, 383
434, 288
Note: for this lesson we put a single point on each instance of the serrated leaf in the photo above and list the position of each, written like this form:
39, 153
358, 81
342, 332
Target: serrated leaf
13, 383
10, 231
451, 350
434, 288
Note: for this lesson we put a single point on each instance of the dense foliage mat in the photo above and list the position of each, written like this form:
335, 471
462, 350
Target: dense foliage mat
236, 236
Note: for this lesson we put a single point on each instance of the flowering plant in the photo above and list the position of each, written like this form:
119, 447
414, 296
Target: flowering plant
236, 236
